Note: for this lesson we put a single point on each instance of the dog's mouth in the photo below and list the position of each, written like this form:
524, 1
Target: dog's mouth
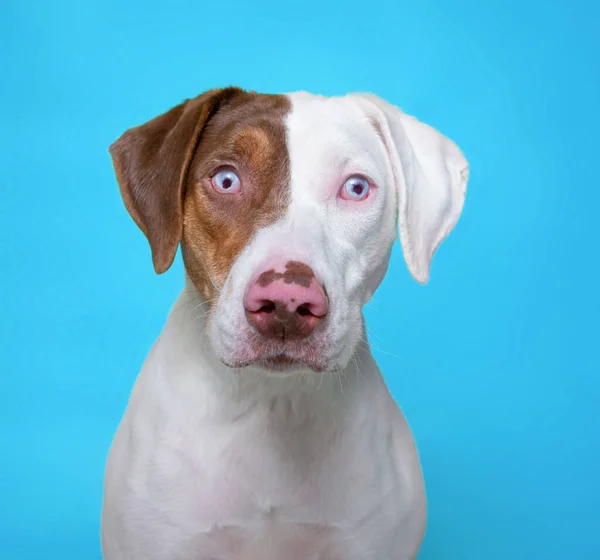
282, 363
278, 356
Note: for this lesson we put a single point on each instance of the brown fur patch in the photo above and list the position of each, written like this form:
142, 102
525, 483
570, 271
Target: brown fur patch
151, 162
249, 136
164, 169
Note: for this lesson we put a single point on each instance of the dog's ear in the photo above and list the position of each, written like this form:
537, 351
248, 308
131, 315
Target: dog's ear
151, 162
431, 176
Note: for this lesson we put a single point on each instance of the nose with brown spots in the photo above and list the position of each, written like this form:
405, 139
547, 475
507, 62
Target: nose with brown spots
288, 304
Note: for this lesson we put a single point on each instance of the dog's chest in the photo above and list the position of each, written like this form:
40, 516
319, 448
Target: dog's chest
282, 482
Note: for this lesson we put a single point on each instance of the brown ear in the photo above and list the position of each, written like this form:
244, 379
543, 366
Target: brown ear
151, 162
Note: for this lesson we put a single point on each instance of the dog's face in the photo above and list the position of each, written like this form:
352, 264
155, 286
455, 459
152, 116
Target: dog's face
286, 208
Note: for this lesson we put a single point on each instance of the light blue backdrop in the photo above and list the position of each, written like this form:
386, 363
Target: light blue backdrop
496, 362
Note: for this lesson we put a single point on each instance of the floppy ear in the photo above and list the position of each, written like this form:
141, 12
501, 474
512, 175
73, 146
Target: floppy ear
151, 162
431, 176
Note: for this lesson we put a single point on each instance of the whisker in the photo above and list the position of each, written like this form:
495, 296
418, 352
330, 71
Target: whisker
321, 381
195, 300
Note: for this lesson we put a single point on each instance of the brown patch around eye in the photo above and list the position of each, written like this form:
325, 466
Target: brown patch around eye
249, 132
255, 145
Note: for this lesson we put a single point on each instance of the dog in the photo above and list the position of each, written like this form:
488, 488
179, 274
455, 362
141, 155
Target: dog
260, 427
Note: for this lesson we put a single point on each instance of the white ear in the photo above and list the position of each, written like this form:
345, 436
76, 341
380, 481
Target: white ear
431, 176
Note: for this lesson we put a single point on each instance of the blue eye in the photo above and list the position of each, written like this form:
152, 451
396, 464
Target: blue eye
355, 188
226, 181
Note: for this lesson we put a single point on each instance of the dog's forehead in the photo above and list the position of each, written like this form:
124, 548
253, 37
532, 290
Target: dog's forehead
328, 120
320, 131
326, 135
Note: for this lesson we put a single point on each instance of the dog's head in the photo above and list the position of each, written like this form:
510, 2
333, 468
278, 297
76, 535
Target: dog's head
286, 209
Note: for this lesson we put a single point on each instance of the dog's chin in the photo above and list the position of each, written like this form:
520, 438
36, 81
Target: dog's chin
281, 365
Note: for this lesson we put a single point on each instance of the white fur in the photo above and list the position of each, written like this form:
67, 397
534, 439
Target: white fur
430, 173
212, 462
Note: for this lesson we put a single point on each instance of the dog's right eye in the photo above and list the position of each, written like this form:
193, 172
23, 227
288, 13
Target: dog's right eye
226, 181
355, 188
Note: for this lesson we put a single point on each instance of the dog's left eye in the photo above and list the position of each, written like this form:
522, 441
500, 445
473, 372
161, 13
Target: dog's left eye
226, 181
355, 188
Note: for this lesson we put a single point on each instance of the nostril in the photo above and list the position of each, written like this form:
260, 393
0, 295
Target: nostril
267, 307
304, 310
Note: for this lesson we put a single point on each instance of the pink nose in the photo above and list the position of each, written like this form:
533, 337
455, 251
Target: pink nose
286, 305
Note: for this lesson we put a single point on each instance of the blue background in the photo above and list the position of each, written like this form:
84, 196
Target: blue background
496, 362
